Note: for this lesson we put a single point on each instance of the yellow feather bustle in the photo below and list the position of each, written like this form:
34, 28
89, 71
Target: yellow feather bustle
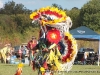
74, 46
53, 9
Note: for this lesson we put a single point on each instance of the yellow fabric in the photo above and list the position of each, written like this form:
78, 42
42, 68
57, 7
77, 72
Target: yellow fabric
42, 69
52, 46
58, 52
4, 57
54, 58
3, 52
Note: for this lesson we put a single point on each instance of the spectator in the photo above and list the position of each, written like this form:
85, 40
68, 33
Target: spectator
11, 50
23, 53
8, 55
31, 47
20, 54
86, 54
13, 58
4, 51
92, 59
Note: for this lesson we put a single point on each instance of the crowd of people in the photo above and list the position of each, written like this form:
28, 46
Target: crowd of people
87, 58
90, 58
8, 54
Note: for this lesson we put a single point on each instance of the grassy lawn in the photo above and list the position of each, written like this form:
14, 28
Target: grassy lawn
8, 69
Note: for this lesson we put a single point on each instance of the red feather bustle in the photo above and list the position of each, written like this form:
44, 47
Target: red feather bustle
69, 43
53, 36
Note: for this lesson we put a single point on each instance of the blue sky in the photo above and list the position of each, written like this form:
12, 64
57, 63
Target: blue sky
36, 4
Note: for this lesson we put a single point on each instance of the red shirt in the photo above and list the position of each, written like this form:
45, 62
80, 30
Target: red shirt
32, 44
20, 51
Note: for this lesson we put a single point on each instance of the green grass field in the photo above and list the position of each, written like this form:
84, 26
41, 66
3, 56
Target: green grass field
8, 69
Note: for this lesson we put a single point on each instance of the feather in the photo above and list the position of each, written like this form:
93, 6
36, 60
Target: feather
19, 71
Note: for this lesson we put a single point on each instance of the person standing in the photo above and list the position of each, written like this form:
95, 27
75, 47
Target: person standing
20, 54
31, 47
92, 59
23, 53
4, 51
86, 54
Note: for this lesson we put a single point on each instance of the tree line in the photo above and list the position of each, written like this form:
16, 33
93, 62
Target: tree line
16, 26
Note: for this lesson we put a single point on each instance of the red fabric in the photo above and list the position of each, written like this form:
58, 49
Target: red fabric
33, 65
59, 47
20, 51
31, 44
45, 65
28, 45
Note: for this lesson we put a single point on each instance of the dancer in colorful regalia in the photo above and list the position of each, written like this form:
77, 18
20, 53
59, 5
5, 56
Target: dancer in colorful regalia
19, 69
56, 48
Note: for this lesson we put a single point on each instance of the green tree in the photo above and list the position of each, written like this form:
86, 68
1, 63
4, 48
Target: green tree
23, 22
58, 6
90, 14
67, 11
12, 8
74, 14
15, 25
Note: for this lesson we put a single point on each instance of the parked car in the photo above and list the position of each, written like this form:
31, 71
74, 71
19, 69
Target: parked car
80, 54
82, 50
16, 51
17, 48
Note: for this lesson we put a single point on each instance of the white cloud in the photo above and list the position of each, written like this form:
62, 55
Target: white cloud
1, 4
